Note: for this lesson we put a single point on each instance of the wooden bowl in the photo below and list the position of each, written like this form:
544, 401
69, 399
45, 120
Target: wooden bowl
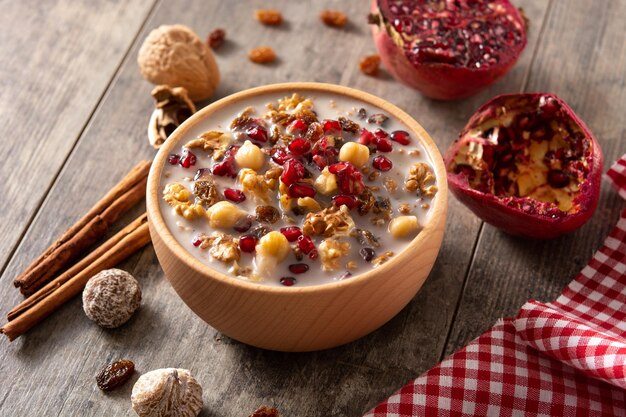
306, 318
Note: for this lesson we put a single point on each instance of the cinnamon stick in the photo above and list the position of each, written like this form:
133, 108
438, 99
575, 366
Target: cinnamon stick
43, 303
87, 231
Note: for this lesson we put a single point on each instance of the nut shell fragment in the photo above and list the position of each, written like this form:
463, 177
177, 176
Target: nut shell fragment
111, 297
175, 55
167, 392
173, 107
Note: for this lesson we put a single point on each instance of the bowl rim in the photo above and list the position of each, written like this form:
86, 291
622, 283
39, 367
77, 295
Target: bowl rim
155, 217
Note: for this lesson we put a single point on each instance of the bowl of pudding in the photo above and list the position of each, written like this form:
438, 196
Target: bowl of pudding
297, 216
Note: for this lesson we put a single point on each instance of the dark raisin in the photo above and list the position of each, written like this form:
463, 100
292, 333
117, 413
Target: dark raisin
265, 412
261, 230
115, 374
216, 38
366, 238
362, 113
367, 254
348, 125
378, 119
267, 214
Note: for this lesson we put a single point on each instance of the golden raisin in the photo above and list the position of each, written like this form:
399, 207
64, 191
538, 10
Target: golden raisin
115, 374
262, 55
269, 17
369, 65
334, 18
216, 38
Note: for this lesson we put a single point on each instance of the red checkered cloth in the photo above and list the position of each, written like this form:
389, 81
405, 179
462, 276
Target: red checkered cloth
565, 358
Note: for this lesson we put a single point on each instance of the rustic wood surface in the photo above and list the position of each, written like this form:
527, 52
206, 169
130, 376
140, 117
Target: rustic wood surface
76, 108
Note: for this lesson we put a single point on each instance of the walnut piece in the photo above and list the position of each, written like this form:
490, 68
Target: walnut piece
421, 179
177, 196
167, 392
213, 142
255, 184
331, 252
223, 247
330, 222
175, 55
173, 107
111, 297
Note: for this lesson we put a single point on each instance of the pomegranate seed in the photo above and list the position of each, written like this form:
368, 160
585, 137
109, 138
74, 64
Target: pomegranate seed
224, 168
384, 145
305, 244
188, 159
300, 146
293, 172
298, 268
331, 127
349, 201
288, 281
297, 127
367, 254
243, 225
401, 137
320, 161
301, 189
381, 134
248, 243
197, 241
280, 156
173, 159
367, 138
257, 134
382, 163
292, 233
349, 178
557, 178
236, 196
335, 168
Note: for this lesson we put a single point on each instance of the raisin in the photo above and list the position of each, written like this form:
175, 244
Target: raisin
366, 238
216, 38
362, 113
269, 17
348, 125
378, 119
369, 65
267, 214
334, 18
115, 374
262, 55
265, 412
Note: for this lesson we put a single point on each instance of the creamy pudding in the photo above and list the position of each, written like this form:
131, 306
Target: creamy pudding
298, 190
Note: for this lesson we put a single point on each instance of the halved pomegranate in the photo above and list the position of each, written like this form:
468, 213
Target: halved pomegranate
526, 164
448, 49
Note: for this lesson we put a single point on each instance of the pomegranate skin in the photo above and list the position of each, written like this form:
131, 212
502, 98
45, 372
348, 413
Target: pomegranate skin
438, 80
494, 209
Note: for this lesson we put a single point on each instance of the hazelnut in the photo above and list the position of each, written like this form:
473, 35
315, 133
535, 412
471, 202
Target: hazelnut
167, 392
175, 55
111, 297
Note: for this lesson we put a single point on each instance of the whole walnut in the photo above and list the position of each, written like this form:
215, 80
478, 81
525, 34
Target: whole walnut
167, 392
111, 297
175, 55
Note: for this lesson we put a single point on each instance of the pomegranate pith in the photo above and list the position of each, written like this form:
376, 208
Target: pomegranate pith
448, 50
526, 164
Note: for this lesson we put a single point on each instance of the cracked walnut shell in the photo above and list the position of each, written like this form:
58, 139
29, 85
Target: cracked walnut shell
111, 297
175, 55
167, 392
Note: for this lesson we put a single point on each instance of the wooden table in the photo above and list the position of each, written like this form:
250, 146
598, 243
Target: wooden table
75, 111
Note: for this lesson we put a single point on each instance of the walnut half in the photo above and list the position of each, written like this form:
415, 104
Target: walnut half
173, 107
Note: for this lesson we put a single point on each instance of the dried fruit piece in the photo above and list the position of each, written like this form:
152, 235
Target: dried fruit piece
526, 164
369, 65
167, 392
287, 282
334, 18
262, 55
269, 17
265, 411
111, 297
115, 374
216, 38
236, 196
367, 254
292, 233
267, 214
448, 50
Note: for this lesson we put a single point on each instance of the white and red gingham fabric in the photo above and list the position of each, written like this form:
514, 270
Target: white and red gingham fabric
564, 358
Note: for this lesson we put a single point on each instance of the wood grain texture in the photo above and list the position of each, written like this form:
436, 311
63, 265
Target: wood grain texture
586, 68
53, 366
58, 57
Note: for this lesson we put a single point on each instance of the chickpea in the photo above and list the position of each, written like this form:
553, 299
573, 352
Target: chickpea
224, 215
326, 183
250, 156
403, 226
273, 244
355, 153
